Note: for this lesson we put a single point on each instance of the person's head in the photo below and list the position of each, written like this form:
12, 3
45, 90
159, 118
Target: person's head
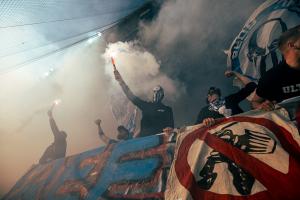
123, 133
289, 45
63, 133
213, 94
158, 94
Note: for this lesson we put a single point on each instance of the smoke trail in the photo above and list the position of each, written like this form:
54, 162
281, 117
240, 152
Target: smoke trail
140, 70
189, 37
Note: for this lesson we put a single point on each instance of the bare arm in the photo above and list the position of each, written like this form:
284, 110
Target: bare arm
244, 79
136, 134
260, 103
101, 134
256, 101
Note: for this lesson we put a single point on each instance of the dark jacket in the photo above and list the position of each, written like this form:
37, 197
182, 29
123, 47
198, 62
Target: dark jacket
231, 102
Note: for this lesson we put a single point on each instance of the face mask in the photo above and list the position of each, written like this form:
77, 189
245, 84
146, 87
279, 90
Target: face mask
158, 94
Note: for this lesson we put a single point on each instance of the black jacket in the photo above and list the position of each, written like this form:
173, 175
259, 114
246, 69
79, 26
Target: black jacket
231, 102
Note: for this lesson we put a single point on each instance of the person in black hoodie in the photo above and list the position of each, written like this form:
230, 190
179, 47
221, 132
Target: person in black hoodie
217, 107
155, 115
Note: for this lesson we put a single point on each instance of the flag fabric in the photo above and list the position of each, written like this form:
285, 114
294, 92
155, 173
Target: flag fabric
255, 50
255, 155
125, 113
132, 169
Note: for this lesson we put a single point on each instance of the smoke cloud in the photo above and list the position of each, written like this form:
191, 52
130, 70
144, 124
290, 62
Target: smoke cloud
189, 38
140, 70
79, 81
182, 50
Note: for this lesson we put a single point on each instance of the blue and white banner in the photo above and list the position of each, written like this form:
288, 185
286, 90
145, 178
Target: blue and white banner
133, 169
255, 49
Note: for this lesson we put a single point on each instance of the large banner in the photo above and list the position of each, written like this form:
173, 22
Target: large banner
251, 156
135, 169
254, 155
255, 50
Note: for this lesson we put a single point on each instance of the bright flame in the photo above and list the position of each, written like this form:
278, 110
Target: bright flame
91, 40
113, 61
56, 102
46, 74
113, 54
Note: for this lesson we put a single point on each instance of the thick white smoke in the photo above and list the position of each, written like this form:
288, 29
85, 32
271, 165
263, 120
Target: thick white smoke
189, 38
140, 70
78, 79
187, 34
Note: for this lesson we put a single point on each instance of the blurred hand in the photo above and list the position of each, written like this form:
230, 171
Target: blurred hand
209, 122
267, 105
229, 73
98, 122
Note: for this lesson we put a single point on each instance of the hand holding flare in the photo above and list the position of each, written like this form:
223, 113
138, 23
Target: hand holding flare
116, 72
114, 64
55, 103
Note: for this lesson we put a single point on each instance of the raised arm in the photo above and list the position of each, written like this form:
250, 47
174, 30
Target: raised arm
242, 93
54, 128
134, 99
101, 134
244, 79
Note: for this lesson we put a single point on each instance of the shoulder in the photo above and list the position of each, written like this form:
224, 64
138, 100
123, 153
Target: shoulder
274, 71
204, 109
164, 106
142, 104
168, 107
272, 74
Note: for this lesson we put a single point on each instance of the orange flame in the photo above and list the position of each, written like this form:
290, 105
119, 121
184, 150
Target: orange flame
113, 62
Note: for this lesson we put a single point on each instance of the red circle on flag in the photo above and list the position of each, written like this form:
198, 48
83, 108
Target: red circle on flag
278, 184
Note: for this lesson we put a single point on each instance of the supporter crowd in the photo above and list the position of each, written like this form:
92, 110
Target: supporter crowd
276, 85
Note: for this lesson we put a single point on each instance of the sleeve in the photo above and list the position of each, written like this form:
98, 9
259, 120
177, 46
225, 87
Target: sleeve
171, 118
54, 128
201, 116
242, 94
264, 87
129, 94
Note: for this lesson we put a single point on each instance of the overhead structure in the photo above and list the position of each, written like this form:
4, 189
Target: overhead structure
31, 30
